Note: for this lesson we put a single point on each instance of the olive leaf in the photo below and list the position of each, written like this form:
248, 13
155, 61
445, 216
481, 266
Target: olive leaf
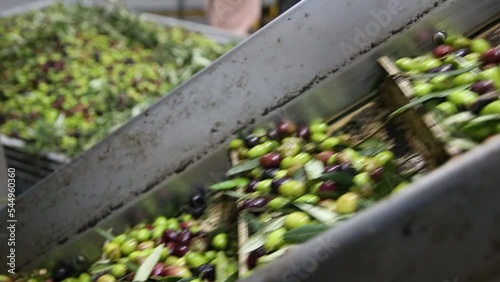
275, 255
223, 270
258, 239
484, 119
101, 266
105, 233
461, 143
447, 73
243, 167
230, 184
304, 233
435, 95
458, 119
372, 146
234, 194
252, 221
300, 175
341, 178
146, 268
314, 168
321, 214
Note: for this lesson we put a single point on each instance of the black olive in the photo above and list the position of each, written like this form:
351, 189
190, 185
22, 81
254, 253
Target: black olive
205, 271
251, 141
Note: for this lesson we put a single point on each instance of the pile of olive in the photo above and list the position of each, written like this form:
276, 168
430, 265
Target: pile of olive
476, 84
79, 72
189, 252
283, 152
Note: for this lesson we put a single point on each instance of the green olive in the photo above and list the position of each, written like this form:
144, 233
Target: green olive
243, 153
180, 261
347, 203
292, 189
146, 245
406, 64
236, 144
134, 256
289, 149
318, 128
479, 45
362, 179
157, 232
429, 63
264, 186
129, 246
256, 172
258, 151
491, 74
441, 82
492, 108
160, 221
271, 145
400, 187
318, 137
112, 250
329, 143
186, 217
277, 203
164, 253
84, 277
465, 78
171, 260
172, 224
106, 278
119, 270
461, 42
301, 158
287, 162
280, 174
383, 158
220, 241
195, 259
119, 239
478, 132
421, 90
463, 97
308, 198
143, 235
447, 108
210, 255
332, 160
296, 220
274, 239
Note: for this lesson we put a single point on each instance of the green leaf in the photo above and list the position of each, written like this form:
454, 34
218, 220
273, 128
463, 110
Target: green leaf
253, 223
274, 224
258, 239
461, 143
132, 266
223, 270
146, 268
300, 175
230, 184
458, 119
423, 99
243, 167
314, 169
371, 147
323, 215
447, 73
341, 178
104, 233
484, 119
234, 194
304, 233
233, 277
101, 266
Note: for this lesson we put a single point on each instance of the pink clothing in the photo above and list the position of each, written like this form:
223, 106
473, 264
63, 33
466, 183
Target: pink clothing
237, 16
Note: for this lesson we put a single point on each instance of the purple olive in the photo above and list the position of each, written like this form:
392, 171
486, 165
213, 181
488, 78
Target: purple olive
286, 128
273, 134
197, 200
377, 174
184, 237
347, 168
482, 102
205, 271
328, 187
251, 141
442, 68
251, 187
269, 173
159, 270
332, 168
254, 203
169, 236
254, 256
180, 251
270, 160
483, 86
462, 52
303, 132
171, 246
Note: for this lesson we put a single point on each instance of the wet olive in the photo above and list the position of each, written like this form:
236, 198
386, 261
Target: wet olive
303, 132
332, 168
308, 198
491, 109
442, 50
347, 168
286, 128
180, 251
210, 255
421, 90
276, 183
283, 173
159, 270
301, 158
254, 203
178, 271
472, 57
377, 174
319, 127
84, 277
119, 239
270, 160
463, 97
277, 203
264, 186
296, 220
205, 271
112, 250
252, 186
362, 179
257, 151
273, 134
184, 237
482, 102
251, 141
483, 87
329, 143
289, 149
269, 173
318, 137
220, 241
119, 270
429, 63
479, 45
106, 278
236, 144
461, 42
292, 189
327, 187
462, 52
441, 82
146, 245
465, 78
406, 64
447, 108
491, 56
197, 200
129, 246
170, 260
383, 158
274, 239
169, 236
195, 259
347, 203
324, 156
254, 256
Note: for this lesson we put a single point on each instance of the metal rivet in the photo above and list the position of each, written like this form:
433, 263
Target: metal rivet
439, 37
